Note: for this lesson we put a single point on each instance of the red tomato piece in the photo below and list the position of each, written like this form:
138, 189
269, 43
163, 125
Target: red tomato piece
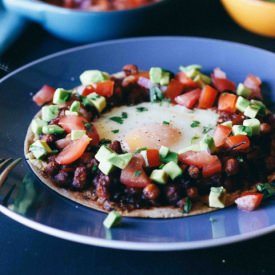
186, 81
223, 84
153, 157
238, 143
133, 175
71, 122
105, 88
189, 99
227, 102
207, 97
220, 135
174, 89
254, 83
213, 168
249, 201
73, 151
44, 95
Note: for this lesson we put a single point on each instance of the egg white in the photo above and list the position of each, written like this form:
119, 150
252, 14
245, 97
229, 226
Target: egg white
177, 116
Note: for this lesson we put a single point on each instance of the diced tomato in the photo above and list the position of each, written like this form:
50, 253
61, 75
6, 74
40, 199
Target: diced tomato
44, 95
72, 122
249, 201
105, 88
207, 97
223, 84
153, 157
73, 151
254, 83
93, 134
189, 99
174, 89
133, 175
188, 82
210, 164
227, 102
220, 135
238, 143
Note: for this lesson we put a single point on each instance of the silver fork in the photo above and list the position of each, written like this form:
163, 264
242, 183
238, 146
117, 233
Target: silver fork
8, 165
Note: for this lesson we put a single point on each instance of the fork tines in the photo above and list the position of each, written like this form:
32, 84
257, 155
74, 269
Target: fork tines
9, 165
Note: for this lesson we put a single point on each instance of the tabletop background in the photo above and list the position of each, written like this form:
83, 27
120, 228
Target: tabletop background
25, 251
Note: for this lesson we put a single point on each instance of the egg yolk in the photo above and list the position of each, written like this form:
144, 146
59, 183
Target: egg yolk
152, 136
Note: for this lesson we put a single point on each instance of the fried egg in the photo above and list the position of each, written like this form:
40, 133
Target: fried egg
152, 125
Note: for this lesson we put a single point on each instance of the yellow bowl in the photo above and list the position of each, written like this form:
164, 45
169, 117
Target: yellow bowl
254, 15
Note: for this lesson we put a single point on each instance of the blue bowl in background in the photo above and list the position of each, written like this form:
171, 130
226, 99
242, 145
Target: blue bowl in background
86, 26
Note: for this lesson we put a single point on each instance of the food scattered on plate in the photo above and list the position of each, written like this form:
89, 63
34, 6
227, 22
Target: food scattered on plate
154, 143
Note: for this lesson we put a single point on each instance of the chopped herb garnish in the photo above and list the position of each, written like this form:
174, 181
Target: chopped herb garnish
94, 168
206, 129
194, 139
124, 115
195, 124
240, 159
88, 125
268, 189
105, 141
142, 109
171, 156
137, 173
187, 206
140, 149
117, 119
115, 131
165, 122
156, 95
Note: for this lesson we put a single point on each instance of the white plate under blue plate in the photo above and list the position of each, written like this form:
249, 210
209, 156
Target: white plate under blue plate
34, 205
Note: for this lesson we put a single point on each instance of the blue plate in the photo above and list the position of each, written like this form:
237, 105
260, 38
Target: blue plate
34, 205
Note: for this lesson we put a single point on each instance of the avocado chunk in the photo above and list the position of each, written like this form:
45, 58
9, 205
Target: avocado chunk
194, 147
49, 112
113, 219
171, 156
191, 70
252, 110
172, 170
99, 102
52, 130
165, 79
228, 124
75, 107
120, 161
77, 134
163, 151
40, 149
242, 103
61, 96
207, 144
105, 167
37, 125
155, 74
216, 197
104, 153
254, 123
159, 176
69, 113
260, 104
243, 91
93, 76
241, 130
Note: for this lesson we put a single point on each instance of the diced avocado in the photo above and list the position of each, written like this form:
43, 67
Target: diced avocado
165, 79
243, 91
103, 154
252, 110
52, 130
241, 130
144, 155
77, 134
93, 76
113, 219
205, 78
49, 112
202, 80
242, 103
172, 170
260, 104
159, 176
194, 147
191, 70
37, 125
163, 151
207, 144
105, 167
171, 156
99, 102
75, 107
69, 113
40, 149
61, 96
227, 123
254, 123
216, 197
120, 161
155, 74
